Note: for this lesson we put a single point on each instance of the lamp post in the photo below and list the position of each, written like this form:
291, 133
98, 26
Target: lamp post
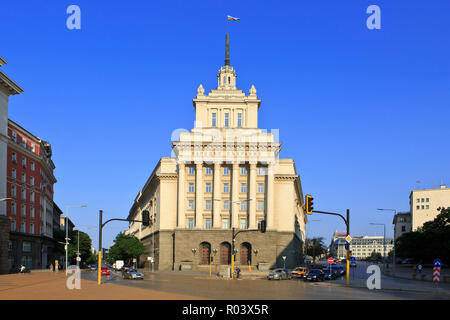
395, 213
384, 236
67, 230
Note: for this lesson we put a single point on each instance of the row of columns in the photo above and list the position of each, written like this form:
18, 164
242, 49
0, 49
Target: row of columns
217, 194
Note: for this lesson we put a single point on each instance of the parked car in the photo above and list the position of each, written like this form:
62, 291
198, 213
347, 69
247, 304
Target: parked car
105, 271
93, 267
353, 264
315, 275
299, 272
278, 274
339, 269
132, 274
407, 261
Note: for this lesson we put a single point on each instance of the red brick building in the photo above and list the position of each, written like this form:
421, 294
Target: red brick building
30, 181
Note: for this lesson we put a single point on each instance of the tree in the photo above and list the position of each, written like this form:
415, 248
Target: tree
125, 248
315, 247
429, 242
375, 255
85, 246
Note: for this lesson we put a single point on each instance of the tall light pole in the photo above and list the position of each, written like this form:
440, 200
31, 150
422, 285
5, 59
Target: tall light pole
395, 213
384, 237
67, 230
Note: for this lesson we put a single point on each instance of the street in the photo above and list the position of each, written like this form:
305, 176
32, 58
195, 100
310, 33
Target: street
257, 287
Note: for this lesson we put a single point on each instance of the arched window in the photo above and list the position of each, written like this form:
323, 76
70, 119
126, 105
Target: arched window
225, 253
229, 80
246, 253
205, 252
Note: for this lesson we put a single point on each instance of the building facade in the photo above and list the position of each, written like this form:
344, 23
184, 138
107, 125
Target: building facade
361, 247
224, 178
424, 204
7, 88
402, 224
30, 183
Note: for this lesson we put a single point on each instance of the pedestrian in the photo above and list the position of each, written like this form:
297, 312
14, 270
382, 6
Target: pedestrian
419, 268
237, 272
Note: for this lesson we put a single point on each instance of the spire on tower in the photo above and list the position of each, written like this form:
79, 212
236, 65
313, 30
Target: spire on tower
227, 50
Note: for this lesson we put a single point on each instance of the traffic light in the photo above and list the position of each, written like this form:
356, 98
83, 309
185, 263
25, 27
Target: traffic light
309, 204
262, 226
145, 218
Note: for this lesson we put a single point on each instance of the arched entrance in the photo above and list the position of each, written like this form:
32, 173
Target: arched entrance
225, 253
205, 251
246, 253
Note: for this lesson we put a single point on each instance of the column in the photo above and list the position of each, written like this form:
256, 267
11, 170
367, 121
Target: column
181, 195
235, 195
199, 194
252, 196
216, 196
270, 198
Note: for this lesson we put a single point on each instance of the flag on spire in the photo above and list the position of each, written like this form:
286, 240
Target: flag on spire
233, 18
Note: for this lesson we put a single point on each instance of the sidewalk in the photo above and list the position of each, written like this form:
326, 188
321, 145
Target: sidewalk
52, 286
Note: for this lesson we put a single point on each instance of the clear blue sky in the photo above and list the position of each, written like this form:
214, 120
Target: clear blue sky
364, 113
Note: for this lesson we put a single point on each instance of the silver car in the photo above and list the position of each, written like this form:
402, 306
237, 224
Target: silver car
132, 274
278, 274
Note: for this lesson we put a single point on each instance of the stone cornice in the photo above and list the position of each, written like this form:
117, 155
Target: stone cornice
11, 86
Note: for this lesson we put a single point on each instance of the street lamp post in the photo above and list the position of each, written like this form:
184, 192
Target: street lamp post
384, 237
67, 231
395, 213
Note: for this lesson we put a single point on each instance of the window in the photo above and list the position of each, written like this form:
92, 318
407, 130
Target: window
243, 171
13, 173
227, 116
191, 171
213, 120
239, 120
24, 177
10, 245
422, 207
32, 181
191, 223
22, 227
226, 205
191, 204
208, 171
243, 204
191, 187
208, 223
26, 246
24, 162
422, 200
24, 210
24, 194
259, 222
32, 166
428, 199
226, 188
208, 205
13, 157
32, 228
208, 187
260, 187
32, 212
261, 171
13, 225
427, 206
225, 223
418, 200
32, 196
243, 223
417, 207
243, 187
14, 136
13, 208
226, 171
13, 191
260, 205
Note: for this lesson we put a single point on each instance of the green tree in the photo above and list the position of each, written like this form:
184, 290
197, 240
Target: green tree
375, 255
125, 248
85, 246
315, 247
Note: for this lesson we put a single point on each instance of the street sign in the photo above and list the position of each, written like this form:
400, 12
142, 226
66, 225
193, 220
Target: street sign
78, 259
348, 238
352, 259
347, 246
436, 274
330, 260
437, 263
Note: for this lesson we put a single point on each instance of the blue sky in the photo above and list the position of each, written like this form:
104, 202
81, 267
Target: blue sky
364, 113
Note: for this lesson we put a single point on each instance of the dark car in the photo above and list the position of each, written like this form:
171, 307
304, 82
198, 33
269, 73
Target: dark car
315, 275
339, 270
132, 274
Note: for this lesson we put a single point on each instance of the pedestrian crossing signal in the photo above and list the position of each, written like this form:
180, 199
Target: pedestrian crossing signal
309, 204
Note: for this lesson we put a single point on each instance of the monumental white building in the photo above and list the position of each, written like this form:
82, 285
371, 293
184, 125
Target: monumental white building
424, 204
224, 178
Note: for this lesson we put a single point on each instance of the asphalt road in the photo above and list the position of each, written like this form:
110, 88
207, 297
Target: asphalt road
261, 289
